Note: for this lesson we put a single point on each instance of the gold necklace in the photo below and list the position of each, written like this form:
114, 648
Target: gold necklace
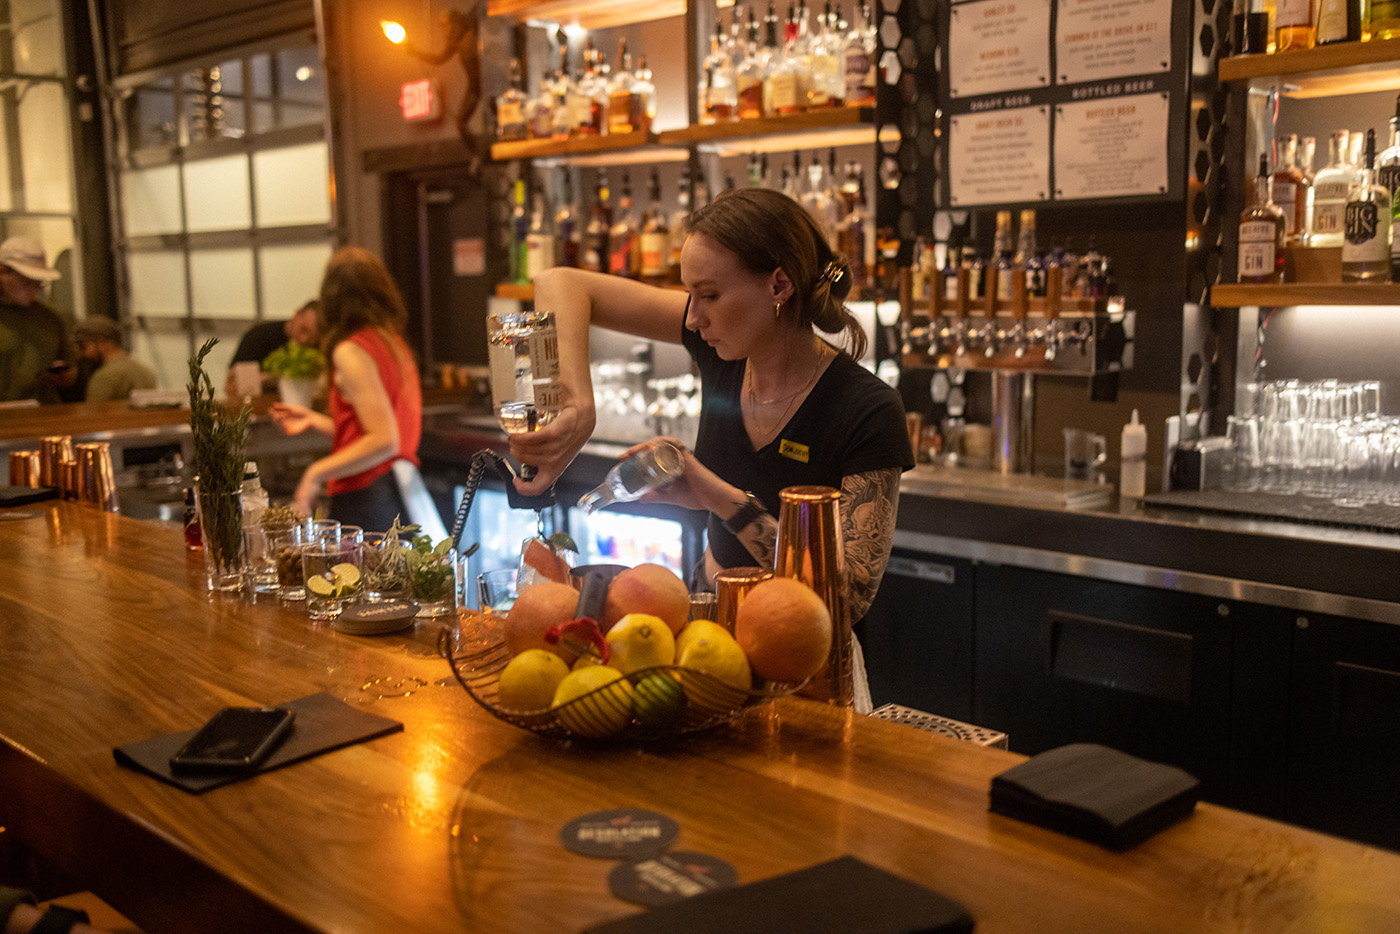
792, 397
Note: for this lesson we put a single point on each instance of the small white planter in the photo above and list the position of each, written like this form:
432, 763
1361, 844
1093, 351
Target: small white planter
297, 391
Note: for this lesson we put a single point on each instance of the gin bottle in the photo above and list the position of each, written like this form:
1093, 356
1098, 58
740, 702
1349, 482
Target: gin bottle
1261, 256
1331, 186
1366, 249
631, 479
523, 351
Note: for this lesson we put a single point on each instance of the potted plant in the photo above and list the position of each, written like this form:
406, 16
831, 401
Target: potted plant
298, 367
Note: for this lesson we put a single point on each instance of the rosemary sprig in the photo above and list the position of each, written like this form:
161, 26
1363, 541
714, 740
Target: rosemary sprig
218, 438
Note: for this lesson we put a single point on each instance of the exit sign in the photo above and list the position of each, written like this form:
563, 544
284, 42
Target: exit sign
419, 101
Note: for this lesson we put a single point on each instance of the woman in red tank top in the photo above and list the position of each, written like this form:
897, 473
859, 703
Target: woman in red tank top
376, 403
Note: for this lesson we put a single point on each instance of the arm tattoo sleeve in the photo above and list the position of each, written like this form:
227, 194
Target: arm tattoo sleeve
760, 539
869, 504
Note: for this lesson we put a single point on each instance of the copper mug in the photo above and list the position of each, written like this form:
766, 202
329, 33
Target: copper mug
53, 451
811, 548
732, 585
96, 479
24, 468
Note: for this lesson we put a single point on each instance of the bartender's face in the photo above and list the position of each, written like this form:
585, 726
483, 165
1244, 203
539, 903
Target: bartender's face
730, 307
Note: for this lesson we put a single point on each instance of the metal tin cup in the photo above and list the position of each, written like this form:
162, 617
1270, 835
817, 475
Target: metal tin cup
732, 585
811, 548
24, 468
53, 451
96, 480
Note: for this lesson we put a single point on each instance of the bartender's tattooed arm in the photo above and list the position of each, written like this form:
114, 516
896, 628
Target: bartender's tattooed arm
869, 504
760, 539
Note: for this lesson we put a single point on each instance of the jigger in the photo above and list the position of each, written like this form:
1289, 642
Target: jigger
24, 468
97, 484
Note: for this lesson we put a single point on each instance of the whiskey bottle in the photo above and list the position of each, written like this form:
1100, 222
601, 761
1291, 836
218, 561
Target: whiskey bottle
1366, 249
510, 108
655, 237
1290, 190
1293, 25
594, 255
1261, 251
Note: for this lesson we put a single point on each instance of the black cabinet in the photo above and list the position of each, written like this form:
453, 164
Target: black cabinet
1344, 728
918, 635
1063, 659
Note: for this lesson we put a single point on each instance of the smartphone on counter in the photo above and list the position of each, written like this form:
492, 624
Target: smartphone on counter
236, 739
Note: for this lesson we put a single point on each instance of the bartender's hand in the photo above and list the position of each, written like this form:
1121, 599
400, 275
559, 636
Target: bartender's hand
307, 495
553, 447
698, 487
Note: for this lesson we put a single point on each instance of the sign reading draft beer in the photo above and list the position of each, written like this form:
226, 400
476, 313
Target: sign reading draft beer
1068, 100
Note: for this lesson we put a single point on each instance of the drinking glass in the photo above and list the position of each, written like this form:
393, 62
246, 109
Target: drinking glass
318, 560
385, 566
284, 549
496, 590
1319, 457
434, 582
319, 529
1240, 471
1281, 442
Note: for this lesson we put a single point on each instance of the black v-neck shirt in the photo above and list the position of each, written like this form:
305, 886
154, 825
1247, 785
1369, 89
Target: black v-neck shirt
850, 422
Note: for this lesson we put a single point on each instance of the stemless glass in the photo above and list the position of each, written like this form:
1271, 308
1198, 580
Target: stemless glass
318, 562
1242, 460
496, 590
284, 550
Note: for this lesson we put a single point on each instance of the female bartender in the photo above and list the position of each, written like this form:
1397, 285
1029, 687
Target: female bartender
780, 406
376, 403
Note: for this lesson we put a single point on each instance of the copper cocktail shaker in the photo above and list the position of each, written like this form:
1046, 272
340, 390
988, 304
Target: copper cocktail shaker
732, 585
97, 482
24, 468
53, 451
812, 549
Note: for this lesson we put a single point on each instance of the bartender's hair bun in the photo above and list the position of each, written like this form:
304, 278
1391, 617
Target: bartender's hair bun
767, 230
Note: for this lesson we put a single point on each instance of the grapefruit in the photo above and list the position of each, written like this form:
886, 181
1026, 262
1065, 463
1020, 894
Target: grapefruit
647, 588
544, 605
785, 630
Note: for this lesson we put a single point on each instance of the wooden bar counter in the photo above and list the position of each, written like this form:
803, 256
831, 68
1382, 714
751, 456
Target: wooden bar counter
107, 638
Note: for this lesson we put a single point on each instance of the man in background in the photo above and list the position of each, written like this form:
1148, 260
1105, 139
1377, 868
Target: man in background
36, 352
117, 372
263, 338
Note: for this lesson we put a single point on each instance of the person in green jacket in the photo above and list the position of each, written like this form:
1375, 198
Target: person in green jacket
117, 372
36, 350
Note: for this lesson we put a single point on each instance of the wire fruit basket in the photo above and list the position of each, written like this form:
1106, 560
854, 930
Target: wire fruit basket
647, 704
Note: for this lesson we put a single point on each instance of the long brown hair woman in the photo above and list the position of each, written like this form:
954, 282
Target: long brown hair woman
376, 402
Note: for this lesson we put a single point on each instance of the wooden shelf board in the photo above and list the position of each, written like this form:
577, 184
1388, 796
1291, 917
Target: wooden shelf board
524, 292
1325, 71
590, 14
1238, 295
573, 146
806, 123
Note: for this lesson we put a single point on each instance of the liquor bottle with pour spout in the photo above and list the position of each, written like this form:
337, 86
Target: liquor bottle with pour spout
524, 364
632, 478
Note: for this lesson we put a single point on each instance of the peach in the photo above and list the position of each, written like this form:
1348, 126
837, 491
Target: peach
545, 604
647, 588
785, 630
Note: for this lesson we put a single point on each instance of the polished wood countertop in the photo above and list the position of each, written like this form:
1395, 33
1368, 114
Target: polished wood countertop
107, 637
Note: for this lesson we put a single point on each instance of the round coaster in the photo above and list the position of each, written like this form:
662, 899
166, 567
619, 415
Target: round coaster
375, 619
626, 833
670, 877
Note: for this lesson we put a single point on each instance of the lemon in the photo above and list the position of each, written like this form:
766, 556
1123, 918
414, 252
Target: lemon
599, 714
694, 630
640, 640
658, 701
320, 586
586, 661
528, 682
719, 656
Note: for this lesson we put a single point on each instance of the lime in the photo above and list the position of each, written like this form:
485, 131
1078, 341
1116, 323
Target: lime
346, 575
600, 714
658, 701
320, 587
529, 680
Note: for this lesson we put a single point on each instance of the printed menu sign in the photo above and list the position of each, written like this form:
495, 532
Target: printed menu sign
1000, 156
1100, 39
998, 45
1115, 146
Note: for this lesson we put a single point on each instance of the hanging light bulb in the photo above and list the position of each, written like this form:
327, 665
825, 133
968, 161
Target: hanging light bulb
393, 31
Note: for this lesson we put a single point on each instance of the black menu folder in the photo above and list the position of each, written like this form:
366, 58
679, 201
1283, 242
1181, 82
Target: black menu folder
843, 896
1095, 793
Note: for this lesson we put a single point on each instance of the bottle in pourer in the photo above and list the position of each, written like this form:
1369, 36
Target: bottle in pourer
632, 478
523, 351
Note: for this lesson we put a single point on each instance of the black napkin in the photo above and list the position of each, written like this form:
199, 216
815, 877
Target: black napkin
24, 495
1095, 793
843, 896
322, 723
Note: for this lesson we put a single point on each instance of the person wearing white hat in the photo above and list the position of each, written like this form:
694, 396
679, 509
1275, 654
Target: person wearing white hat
36, 349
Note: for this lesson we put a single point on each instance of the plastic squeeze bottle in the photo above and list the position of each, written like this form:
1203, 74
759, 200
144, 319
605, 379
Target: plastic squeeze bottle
1132, 479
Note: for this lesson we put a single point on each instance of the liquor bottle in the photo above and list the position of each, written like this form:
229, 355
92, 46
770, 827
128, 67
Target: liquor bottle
1385, 19
976, 268
630, 479
1262, 234
523, 356
828, 88
519, 234
788, 80
644, 96
1289, 191
1331, 186
539, 241
679, 225
655, 237
1003, 254
624, 247
718, 95
566, 226
539, 109
1366, 249
1025, 259
1388, 162
855, 221
1394, 240
1338, 21
510, 108
561, 120
1293, 25
952, 261
623, 111
748, 77
594, 255
591, 97
816, 197
859, 60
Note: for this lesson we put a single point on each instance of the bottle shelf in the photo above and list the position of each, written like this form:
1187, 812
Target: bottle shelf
589, 14
1324, 71
835, 126
1241, 295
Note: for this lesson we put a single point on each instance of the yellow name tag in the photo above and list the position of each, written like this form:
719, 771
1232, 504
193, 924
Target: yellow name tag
792, 449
